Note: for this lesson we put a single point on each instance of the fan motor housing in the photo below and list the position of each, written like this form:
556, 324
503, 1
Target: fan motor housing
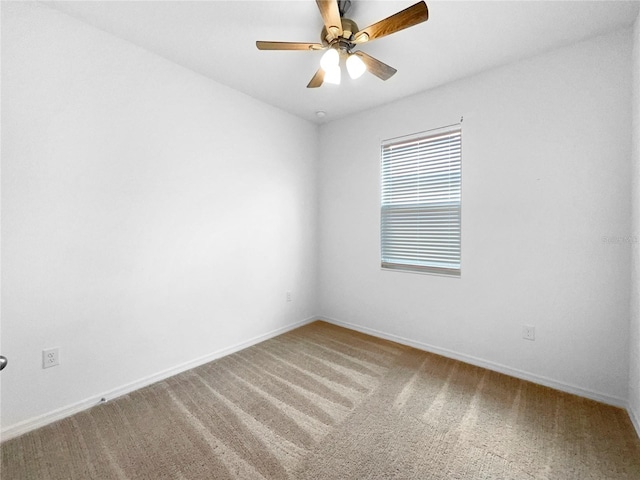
349, 28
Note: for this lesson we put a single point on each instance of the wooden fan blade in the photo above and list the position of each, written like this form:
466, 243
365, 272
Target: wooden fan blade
331, 16
317, 79
375, 66
288, 46
408, 17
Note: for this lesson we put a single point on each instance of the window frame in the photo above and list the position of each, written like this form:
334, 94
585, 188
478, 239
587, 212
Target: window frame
431, 205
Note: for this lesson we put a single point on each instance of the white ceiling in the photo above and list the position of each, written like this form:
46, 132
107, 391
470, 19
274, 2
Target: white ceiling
461, 38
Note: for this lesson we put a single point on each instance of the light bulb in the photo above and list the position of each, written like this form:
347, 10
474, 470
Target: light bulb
355, 66
332, 75
331, 58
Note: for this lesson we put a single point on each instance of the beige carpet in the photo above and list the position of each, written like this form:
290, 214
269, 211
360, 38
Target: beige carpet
323, 402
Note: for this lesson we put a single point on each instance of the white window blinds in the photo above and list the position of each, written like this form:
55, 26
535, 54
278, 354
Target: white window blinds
421, 180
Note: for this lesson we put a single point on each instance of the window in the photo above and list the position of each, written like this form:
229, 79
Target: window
420, 211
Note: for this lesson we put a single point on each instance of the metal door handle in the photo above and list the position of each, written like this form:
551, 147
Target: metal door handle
3, 362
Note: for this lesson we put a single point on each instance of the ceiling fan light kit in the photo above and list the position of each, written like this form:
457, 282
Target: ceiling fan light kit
355, 66
330, 59
340, 35
333, 75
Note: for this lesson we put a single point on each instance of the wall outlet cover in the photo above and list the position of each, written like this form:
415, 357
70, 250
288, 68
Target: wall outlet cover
528, 332
50, 357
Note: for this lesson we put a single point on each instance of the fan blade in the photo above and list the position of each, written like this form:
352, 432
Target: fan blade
288, 46
375, 66
331, 17
317, 79
408, 17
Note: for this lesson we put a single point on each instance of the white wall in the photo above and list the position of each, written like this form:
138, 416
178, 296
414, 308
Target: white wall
122, 246
634, 337
123, 179
545, 177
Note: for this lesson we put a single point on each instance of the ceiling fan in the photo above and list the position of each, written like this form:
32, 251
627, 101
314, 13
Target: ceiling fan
340, 35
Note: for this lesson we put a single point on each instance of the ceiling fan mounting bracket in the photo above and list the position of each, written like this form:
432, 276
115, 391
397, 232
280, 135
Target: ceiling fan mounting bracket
343, 7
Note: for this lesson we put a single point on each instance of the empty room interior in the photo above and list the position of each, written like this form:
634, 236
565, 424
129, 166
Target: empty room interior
229, 255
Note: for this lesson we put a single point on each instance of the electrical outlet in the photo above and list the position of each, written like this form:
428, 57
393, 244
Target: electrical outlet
289, 298
528, 332
50, 357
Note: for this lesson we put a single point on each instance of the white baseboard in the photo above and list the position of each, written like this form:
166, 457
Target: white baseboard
55, 415
634, 419
50, 417
479, 362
